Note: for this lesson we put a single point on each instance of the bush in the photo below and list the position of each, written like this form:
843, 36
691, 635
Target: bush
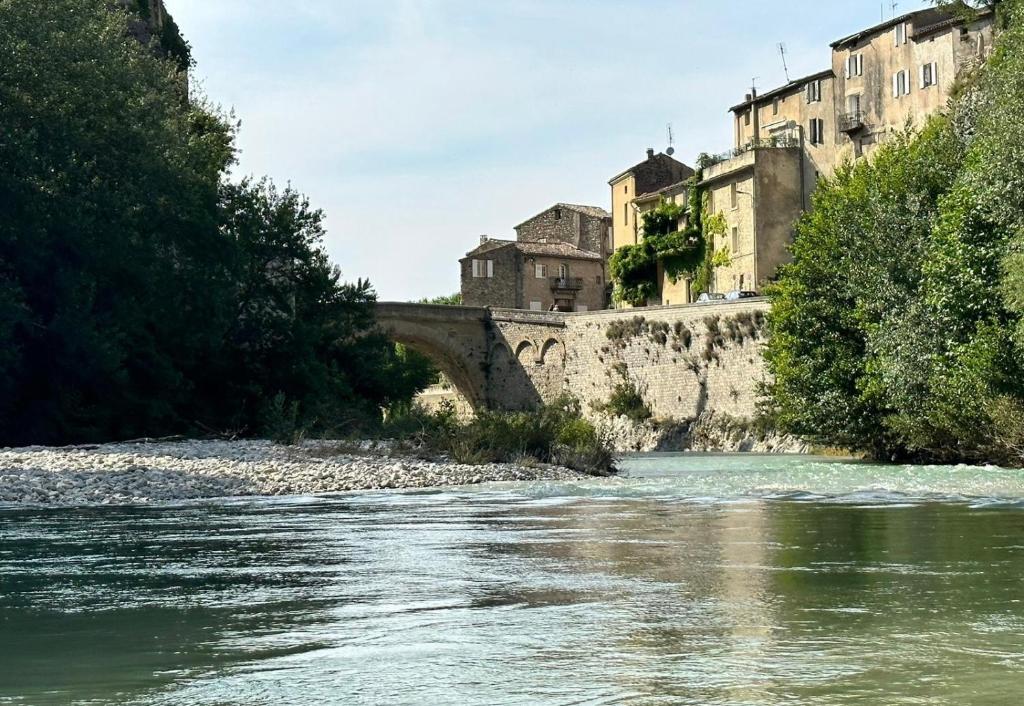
554, 434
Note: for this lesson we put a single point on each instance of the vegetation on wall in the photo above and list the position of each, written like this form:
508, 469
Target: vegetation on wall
142, 293
898, 326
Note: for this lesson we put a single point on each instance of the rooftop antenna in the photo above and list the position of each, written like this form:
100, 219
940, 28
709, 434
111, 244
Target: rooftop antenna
671, 150
894, 6
785, 68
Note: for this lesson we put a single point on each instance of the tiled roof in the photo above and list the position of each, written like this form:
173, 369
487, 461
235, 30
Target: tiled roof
792, 85
557, 250
594, 211
671, 187
549, 249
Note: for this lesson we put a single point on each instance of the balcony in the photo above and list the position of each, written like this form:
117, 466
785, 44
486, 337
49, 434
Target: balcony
780, 140
567, 284
851, 122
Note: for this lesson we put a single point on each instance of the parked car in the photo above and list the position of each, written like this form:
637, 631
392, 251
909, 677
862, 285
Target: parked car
740, 294
710, 297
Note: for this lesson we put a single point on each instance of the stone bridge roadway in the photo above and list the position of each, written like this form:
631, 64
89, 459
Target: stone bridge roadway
516, 359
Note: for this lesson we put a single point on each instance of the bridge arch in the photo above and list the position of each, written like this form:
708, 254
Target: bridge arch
453, 337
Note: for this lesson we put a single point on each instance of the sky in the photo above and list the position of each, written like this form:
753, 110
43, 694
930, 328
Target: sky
420, 125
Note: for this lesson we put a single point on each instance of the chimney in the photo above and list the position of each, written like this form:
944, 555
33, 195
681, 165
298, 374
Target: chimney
747, 98
484, 239
650, 153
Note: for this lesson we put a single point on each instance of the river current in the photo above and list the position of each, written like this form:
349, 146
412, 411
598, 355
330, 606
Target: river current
691, 580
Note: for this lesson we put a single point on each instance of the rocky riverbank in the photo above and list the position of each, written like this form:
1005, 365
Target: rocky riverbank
708, 433
144, 472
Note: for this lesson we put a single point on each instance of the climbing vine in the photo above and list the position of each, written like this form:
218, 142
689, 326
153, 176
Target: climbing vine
682, 253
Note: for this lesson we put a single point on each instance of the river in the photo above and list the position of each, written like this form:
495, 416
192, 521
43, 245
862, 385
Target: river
692, 580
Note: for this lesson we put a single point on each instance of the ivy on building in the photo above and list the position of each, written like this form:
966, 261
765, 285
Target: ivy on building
687, 252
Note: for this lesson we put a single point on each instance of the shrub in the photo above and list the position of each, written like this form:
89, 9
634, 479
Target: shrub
555, 434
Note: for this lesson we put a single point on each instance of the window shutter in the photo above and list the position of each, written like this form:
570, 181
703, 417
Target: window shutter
923, 84
860, 64
935, 73
849, 60
807, 92
896, 85
490, 268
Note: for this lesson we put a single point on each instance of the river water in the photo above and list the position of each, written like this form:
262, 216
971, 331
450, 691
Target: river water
694, 580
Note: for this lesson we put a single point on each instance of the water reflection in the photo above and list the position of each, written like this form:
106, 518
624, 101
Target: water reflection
498, 598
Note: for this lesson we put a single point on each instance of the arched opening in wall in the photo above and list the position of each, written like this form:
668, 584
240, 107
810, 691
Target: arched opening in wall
511, 384
526, 353
553, 353
461, 368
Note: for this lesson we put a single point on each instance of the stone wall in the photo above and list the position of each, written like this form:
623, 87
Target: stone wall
684, 360
500, 290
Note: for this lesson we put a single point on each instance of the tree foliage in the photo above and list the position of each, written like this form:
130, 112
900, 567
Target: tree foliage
140, 292
897, 327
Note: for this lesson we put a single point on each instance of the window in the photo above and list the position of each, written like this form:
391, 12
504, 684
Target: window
734, 195
599, 280
541, 271
901, 34
900, 86
625, 189
929, 75
813, 91
854, 65
817, 131
746, 118
775, 107
483, 268
735, 240
563, 271
625, 214
965, 34
742, 278
853, 104
536, 306
558, 214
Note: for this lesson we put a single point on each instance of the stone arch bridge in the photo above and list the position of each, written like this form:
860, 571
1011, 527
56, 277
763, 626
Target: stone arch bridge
682, 359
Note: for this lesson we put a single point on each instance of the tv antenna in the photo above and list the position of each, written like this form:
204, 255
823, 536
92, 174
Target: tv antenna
671, 150
894, 6
782, 52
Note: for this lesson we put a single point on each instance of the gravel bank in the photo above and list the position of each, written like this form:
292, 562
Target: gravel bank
114, 474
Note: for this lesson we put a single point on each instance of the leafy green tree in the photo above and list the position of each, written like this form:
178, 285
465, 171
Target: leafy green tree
140, 292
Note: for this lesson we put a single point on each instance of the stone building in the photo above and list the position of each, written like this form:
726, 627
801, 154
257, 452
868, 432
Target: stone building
657, 172
882, 79
670, 291
559, 259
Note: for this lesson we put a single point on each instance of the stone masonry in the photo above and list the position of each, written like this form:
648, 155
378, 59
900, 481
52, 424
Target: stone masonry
684, 360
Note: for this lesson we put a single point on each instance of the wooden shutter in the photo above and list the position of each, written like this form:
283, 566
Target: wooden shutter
490, 268
896, 85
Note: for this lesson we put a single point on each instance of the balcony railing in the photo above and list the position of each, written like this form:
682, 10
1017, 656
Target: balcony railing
851, 122
790, 138
568, 284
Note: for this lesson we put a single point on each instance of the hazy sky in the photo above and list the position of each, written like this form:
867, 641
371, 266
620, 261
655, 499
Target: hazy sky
418, 125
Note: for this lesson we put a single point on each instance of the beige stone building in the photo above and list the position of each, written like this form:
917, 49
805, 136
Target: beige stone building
655, 173
670, 291
882, 79
558, 259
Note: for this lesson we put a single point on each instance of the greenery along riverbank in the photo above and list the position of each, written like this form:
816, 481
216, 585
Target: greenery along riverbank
899, 326
142, 292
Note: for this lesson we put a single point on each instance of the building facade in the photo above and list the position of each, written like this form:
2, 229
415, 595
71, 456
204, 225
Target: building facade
558, 261
657, 172
882, 80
